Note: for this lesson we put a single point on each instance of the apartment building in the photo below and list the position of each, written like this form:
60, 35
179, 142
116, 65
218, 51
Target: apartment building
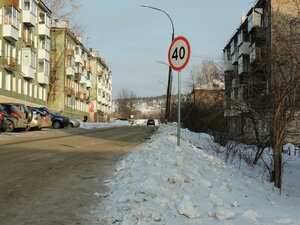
248, 74
24, 51
70, 72
101, 90
80, 82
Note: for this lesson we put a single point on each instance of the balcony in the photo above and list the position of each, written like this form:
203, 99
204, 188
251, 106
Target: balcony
43, 78
70, 52
70, 71
77, 76
243, 65
82, 97
244, 48
43, 54
83, 79
88, 84
29, 18
78, 59
234, 58
255, 19
43, 29
10, 63
10, 32
28, 43
11, 3
28, 71
255, 53
78, 94
69, 91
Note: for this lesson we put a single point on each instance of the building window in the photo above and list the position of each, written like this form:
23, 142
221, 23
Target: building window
11, 17
14, 84
19, 86
44, 42
8, 82
1, 79
25, 87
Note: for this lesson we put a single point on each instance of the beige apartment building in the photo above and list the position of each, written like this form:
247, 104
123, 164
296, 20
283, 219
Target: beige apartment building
248, 73
24, 51
101, 90
78, 77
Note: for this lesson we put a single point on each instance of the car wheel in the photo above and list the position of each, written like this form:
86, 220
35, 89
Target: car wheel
56, 125
10, 126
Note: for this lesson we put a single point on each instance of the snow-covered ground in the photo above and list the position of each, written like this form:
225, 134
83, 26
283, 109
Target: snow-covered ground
160, 183
92, 125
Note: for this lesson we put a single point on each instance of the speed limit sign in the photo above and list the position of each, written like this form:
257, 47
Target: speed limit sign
179, 53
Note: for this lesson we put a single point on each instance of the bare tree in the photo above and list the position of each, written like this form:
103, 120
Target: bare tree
126, 100
63, 8
208, 75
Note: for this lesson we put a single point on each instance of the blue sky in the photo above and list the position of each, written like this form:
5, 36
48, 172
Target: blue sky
132, 38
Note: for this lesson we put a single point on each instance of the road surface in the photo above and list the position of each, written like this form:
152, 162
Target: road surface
50, 177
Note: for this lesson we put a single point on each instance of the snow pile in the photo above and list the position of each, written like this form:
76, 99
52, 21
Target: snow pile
92, 125
160, 183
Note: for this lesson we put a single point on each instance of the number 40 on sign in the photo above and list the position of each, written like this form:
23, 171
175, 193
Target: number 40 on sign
179, 53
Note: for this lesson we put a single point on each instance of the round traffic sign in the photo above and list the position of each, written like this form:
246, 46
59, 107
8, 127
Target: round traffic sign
179, 53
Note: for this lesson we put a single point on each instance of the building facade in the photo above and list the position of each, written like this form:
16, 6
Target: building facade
249, 57
78, 77
101, 91
24, 51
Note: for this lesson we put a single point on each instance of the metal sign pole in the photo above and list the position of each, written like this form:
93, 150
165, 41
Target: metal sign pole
179, 106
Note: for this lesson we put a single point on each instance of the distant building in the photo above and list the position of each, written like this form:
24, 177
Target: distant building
101, 91
24, 51
80, 81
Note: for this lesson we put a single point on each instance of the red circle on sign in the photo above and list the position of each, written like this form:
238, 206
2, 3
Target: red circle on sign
174, 67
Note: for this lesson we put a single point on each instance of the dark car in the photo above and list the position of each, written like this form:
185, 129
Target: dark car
3, 119
150, 122
58, 120
16, 119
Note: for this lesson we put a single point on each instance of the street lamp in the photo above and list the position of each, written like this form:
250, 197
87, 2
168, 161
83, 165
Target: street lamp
168, 102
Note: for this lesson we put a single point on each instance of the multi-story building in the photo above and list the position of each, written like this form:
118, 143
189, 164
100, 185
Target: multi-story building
248, 65
24, 51
101, 92
80, 81
70, 72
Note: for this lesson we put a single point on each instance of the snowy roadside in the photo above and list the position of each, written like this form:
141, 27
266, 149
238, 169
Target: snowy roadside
159, 183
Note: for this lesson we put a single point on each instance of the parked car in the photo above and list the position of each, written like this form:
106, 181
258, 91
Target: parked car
3, 119
36, 121
58, 120
40, 119
16, 119
150, 122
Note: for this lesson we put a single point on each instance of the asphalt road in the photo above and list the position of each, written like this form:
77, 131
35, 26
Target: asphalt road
50, 177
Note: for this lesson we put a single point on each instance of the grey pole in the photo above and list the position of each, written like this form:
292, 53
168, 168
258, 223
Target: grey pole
169, 88
179, 107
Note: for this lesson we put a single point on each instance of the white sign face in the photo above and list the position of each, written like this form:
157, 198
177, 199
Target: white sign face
179, 53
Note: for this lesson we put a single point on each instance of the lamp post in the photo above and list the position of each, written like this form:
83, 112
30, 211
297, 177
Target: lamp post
168, 102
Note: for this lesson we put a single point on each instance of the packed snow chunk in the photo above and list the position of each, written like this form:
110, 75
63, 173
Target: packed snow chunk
156, 216
222, 213
250, 214
188, 208
215, 200
235, 204
177, 180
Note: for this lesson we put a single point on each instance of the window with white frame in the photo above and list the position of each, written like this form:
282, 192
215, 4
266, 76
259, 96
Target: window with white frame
44, 42
11, 16
30, 89
43, 66
29, 5
14, 84
25, 87
20, 86
8, 82
1, 79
